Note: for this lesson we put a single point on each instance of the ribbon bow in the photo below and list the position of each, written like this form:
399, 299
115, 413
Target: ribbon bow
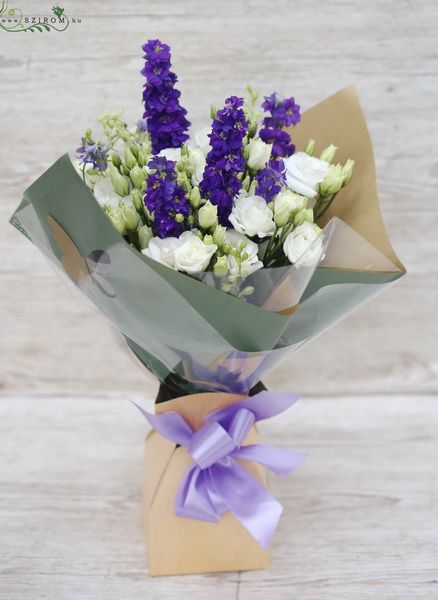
215, 482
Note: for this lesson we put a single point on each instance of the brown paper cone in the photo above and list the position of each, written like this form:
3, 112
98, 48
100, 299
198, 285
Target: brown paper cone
177, 545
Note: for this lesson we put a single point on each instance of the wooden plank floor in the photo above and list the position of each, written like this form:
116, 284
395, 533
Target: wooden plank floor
360, 516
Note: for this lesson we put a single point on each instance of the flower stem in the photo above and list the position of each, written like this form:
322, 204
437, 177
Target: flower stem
328, 204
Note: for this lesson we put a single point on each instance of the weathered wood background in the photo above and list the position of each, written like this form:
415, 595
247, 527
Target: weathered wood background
360, 522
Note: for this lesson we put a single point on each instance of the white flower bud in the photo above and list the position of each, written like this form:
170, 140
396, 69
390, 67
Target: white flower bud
116, 217
138, 177
195, 197
219, 235
130, 160
258, 153
115, 158
208, 239
333, 181
130, 215
137, 198
207, 215
310, 148
141, 159
221, 267
328, 153
305, 214
347, 171
144, 236
119, 182
285, 203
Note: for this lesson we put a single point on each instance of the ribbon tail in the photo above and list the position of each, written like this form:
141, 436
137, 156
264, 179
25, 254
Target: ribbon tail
193, 499
247, 499
170, 425
280, 461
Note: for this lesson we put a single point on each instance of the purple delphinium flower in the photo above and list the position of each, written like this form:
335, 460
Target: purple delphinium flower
165, 117
225, 160
93, 153
165, 198
270, 179
283, 113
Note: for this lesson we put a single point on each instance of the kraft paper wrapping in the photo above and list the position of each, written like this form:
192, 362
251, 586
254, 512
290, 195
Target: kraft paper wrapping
339, 120
177, 545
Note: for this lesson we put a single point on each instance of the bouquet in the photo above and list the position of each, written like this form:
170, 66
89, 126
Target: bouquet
216, 255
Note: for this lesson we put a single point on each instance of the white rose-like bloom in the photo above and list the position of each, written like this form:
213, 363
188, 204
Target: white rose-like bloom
299, 241
163, 251
304, 173
104, 192
191, 255
252, 263
202, 140
251, 216
197, 160
171, 153
259, 153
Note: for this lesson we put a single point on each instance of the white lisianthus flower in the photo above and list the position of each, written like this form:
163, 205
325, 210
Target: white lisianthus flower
251, 262
104, 192
201, 139
300, 243
171, 153
285, 203
162, 250
191, 255
259, 153
251, 216
197, 165
304, 173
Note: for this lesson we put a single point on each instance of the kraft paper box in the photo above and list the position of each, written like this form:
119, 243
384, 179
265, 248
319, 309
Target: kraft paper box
177, 545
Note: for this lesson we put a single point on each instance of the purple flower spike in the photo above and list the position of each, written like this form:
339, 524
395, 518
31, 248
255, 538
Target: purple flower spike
283, 113
165, 198
165, 117
225, 160
270, 180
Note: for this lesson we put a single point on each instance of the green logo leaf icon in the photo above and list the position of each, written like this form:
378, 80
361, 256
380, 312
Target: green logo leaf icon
57, 10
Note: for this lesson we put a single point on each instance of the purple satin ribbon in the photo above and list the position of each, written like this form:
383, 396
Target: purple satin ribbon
215, 483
